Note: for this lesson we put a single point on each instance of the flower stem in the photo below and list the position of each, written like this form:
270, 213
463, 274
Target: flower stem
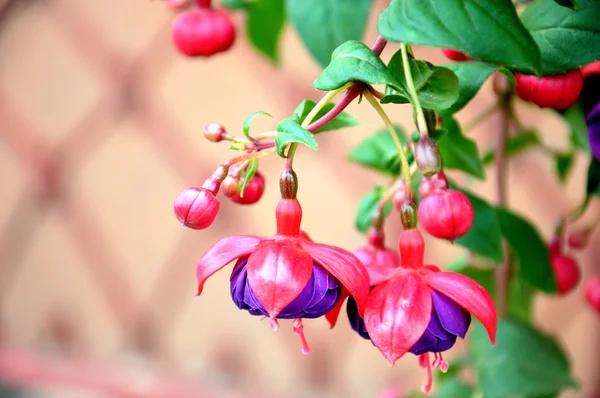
412, 91
503, 272
388, 123
480, 118
393, 189
250, 156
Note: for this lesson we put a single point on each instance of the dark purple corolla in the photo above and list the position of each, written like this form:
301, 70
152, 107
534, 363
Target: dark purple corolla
590, 103
319, 296
448, 321
593, 124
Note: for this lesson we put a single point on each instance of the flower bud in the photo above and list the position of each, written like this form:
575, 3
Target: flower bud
215, 132
437, 182
578, 239
455, 55
553, 91
288, 184
566, 273
203, 32
427, 156
592, 292
446, 214
408, 214
196, 208
252, 192
231, 186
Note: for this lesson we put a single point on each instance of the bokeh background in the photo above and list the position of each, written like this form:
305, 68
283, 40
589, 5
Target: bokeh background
100, 128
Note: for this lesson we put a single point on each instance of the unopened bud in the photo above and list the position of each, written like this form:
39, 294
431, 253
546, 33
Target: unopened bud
288, 184
578, 239
427, 156
196, 208
215, 132
408, 214
231, 186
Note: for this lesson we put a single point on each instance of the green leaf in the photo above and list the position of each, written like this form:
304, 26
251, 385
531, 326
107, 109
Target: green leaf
566, 3
453, 388
485, 236
340, 121
459, 152
524, 363
471, 76
250, 172
437, 87
529, 249
250, 119
368, 206
568, 39
290, 131
579, 132
564, 164
488, 30
236, 4
514, 146
325, 24
378, 152
593, 178
353, 61
264, 26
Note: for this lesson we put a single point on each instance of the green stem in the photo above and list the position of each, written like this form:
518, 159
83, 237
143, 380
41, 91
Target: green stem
388, 123
311, 115
412, 91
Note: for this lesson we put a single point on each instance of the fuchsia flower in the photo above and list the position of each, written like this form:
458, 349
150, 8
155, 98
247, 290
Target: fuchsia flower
286, 276
419, 309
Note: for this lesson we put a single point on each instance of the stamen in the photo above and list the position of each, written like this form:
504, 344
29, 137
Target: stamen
274, 325
436, 361
299, 330
443, 365
425, 359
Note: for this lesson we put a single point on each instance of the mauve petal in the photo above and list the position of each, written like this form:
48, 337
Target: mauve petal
593, 124
427, 343
435, 326
453, 317
277, 273
444, 345
295, 308
222, 253
356, 322
238, 282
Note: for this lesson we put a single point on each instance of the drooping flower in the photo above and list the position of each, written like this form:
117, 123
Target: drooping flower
446, 214
422, 310
286, 275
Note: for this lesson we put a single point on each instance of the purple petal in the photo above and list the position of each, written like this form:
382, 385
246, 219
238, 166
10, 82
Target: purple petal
427, 343
453, 317
593, 124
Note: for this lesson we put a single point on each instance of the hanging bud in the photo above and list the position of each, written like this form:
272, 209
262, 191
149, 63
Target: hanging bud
446, 214
288, 184
231, 186
427, 156
566, 273
437, 182
252, 192
215, 132
408, 214
592, 292
196, 208
578, 239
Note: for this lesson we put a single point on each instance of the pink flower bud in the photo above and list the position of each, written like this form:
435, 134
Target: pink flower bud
566, 273
252, 192
446, 214
215, 132
427, 156
592, 292
579, 239
231, 186
196, 208
431, 184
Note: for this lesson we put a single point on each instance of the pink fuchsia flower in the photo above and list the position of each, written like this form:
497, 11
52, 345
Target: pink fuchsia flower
420, 309
286, 275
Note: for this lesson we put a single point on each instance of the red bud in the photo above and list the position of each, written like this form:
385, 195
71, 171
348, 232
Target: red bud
446, 214
252, 192
578, 239
591, 69
203, 32
215, 132
437, 182
455, 55
555, 91
196, 208
231, 186
592, 292
566, 273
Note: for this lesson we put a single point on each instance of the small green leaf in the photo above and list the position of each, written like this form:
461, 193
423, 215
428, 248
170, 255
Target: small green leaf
367, 207
488, 30
340, 121
290, 131
250, 119
485, 236
325, 24
471, 76
564, 164
529, 249
264, 26
353, 61
437, 87
459, 152
524, 363
514, 146
236, 4
593, 178
250, 172
568, 39
378, 152
579, 132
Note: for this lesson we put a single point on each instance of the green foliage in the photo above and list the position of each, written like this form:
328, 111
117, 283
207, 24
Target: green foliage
524, 363
566, 3
250, 172
236, 4
354, 61
250, 119
529, 250
436, 86
488, 30
563, 163
453, 388
340, 121
378, 152
367, 208
471, 76
517, 144
568, 39
289, 131
459, 152
325, 24
579, 134
264, 25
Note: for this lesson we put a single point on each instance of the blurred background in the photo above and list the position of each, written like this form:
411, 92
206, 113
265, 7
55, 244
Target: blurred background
100, 128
